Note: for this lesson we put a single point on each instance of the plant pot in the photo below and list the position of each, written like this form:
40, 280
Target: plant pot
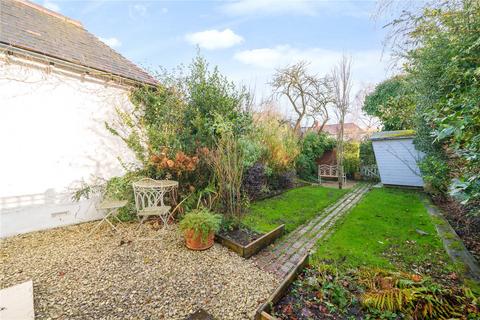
196, 243
357, 176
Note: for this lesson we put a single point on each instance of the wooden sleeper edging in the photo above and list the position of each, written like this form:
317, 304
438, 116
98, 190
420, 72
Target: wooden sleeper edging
265, 310
254, 246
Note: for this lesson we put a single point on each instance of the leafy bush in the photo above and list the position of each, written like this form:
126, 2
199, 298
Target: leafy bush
393, 103
367, 154
174, 128
351, 160
435, 173
443, 69
283, 180
279, 141
252, 150
313, 146
210, 96
202, 222
255, 180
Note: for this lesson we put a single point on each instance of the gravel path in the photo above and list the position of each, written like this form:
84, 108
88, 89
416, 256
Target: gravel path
104, 277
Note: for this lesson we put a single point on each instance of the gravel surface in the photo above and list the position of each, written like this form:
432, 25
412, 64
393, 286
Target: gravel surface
107, 276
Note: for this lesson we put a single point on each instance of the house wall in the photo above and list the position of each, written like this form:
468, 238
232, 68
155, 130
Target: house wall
52, 136
397, 162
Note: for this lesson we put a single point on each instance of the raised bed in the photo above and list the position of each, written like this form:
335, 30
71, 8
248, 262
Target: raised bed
246, 251
265, 310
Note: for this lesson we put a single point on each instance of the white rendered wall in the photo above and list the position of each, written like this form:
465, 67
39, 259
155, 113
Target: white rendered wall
397, 162
52, 135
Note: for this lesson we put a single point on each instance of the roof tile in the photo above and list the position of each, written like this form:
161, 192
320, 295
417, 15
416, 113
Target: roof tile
29, 27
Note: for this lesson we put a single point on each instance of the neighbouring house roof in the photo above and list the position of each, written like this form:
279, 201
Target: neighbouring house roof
393, 135
30, 27
348, 127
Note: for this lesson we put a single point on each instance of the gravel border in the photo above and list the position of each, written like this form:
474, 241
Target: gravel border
109, 277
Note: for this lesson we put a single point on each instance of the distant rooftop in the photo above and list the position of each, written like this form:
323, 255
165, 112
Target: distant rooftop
392, 135
31, 27
347, 127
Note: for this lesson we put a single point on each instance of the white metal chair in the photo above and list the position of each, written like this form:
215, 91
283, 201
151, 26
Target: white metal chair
110, 207
149, 200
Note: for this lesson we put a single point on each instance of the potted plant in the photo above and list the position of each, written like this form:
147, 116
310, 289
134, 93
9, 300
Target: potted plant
199, 227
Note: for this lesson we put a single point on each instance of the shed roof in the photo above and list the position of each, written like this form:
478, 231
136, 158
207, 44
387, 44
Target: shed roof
393, 135
30, 27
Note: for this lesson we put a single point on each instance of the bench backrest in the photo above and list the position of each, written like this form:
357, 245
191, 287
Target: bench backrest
326, 170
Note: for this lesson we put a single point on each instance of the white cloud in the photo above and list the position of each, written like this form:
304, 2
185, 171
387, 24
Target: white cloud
258, 65
368, 63
137, 11
368, 66
244, 7
112, 42
51, 6
214, 39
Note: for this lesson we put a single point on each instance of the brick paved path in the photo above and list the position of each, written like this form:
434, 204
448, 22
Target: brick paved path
285, 254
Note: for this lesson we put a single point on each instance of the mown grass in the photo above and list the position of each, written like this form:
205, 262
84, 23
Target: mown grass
293, 208
381, 232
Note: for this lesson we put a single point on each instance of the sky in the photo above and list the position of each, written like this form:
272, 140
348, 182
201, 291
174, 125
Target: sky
247, 39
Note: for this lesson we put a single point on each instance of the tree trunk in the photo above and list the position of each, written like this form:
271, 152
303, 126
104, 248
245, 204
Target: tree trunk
340, 154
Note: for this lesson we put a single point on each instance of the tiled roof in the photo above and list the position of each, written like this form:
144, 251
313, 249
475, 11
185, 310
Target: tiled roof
33, 28
347, 127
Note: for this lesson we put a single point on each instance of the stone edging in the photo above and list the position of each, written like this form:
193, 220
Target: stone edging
452, 242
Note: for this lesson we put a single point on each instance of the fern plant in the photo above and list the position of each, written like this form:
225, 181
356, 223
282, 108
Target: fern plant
397, 292
202, 222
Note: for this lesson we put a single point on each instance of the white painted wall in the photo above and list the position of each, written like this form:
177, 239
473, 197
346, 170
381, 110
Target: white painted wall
397, 162
52, 135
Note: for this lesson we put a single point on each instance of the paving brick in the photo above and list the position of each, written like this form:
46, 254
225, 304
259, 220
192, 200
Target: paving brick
283, 256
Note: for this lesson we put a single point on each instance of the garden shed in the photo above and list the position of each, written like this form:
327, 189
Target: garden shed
397, 158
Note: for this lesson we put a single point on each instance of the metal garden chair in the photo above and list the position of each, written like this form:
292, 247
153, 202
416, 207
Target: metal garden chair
149, 199
110, 207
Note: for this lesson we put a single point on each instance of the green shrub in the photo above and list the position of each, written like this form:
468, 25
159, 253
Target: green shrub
252, 150
172, 126
313, 146
367, 154
202, 222
279, 141
443, 69
393, 102
351, 160
435, 173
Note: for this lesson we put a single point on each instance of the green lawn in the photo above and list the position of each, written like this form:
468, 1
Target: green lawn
381, 232
293, 208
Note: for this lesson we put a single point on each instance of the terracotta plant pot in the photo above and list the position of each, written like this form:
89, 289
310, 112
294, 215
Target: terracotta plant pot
196, 243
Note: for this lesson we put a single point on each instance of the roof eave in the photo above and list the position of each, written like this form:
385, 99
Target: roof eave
40, 56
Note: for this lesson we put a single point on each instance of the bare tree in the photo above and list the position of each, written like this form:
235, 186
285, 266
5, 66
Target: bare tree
308, 94
342, 84
369, 123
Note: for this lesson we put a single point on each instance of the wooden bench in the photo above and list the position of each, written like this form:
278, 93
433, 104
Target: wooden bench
329, 171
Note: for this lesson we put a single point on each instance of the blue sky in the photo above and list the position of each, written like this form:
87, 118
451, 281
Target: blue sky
247, 39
